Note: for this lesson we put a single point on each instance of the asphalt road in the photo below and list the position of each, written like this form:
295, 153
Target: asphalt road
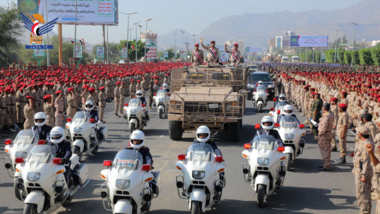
305, 190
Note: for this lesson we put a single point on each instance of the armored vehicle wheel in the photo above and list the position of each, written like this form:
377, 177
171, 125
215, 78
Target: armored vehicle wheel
175, 130
233, 132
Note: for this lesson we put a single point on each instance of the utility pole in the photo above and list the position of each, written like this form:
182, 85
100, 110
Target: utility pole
336, 44
182, 45
140, 26
353, 45
75, 34
136, 40
108, 52
128, 14
194, 38
47, 35
146, 34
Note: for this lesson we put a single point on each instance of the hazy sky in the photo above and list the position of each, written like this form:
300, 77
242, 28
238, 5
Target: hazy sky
191, 15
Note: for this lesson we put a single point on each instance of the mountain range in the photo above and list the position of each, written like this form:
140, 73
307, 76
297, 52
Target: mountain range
256, 29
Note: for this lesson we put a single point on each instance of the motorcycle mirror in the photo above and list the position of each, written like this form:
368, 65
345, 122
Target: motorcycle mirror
168, 94
256, 84
181, 157
257, 126
57, 160
280, 148
154, 94
92, 120
107, 163
41, 142
126, 105
302, 126
272, 109
276, 125
146, 167
274, 99
19, 160
247, 146
219, 159
8, 141
143, 105
278, 111
68, 120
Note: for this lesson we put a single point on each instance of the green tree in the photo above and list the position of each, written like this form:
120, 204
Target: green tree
344, 39
376, 55
347, 57
330, 54
309, 56
365, 57
341, 56
303, 57
356, 58
10, 28
317, 56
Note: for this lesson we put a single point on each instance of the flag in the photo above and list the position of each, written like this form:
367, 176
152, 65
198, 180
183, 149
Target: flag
83, 42
133, 47
72, 42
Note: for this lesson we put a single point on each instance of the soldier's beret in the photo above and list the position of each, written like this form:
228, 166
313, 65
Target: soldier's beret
117, 83
212, 42
236, 44
85, 86
101, 88
58, 92
342, 105
91, 89
70, 89
47, 96
196, 44
29, 97
334, 99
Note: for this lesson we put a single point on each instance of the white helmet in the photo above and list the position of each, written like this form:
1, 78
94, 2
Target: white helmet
165, 86
57, 134
282, 96
203, 130
89, 105
265, 120
288, 108
40, 116
137, 135
260, 82
139, 94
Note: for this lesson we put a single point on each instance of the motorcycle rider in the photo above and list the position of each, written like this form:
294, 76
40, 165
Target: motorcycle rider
288, 109
266, 128
89, 107
165, 87
43, 129
281, 99
63, 150
139, 95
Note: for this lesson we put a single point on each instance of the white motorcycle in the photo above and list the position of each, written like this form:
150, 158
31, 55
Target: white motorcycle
41, 180
260, 97
291, 132
134, 113
277, 110
201, 182
129, 185
160, 102
85, 134
20, 148
264, 170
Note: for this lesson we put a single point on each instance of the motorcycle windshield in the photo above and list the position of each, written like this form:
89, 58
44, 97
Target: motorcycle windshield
281, 105
41, 154
200, 153
81, 116
263, 143
261, 88
161, 93
128, 159
288, 122
25, 137
134, 102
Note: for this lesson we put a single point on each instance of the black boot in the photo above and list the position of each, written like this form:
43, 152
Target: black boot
341, 160
334, 149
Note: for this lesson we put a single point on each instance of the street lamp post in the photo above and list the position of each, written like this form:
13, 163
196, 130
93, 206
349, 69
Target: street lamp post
336, 45
175, 44
194, 38
146, 33
182, 45
140, 26
75, 34
136, 39
353, 45
128, 14
320, 60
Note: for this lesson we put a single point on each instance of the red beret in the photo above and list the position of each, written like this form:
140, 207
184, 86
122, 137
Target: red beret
343, 92
236, 44
70, 89
58, 92
40, 83
7, 90
117, 83
132, 80
47, 96
212, 42
138, 80
91, 89
334, 99
29, 97
101, 88
85, 86
156, 81
342, 105
196, 44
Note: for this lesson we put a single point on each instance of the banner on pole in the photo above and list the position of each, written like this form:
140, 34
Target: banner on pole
124, 53
166, 54
39, 52
309, 41
100, 52
79, 51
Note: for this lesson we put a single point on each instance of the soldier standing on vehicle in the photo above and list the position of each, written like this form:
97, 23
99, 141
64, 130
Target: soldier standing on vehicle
116, 94
363, 170
102, 103
213, 52
197, 56
235, 55
325, 135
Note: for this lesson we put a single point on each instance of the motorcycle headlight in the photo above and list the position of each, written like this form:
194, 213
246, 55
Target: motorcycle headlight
250, 86
199, 174
263, 161
21, 154
78, 129
33, 176
122, 183
289, 136
228, 107
132, 111
270, 86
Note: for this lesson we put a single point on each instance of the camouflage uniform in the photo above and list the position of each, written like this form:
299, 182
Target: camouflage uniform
325, 136
334, 110
342, 122
317, 107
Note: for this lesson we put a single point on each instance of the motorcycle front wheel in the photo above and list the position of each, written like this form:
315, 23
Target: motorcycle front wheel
288, 161
77, 151
161, 114
131, 127
17, 191
195, 207
261, 195
30, 209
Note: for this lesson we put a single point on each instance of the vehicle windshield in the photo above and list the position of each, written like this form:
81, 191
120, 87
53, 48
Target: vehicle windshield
81, 116
134, 102
261, 88
161, 93
128, 159
41, 154
25, 137
253, 67
259, 77
196, 76
263, 143
279, 104
200, 153
288, 122
220, 76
